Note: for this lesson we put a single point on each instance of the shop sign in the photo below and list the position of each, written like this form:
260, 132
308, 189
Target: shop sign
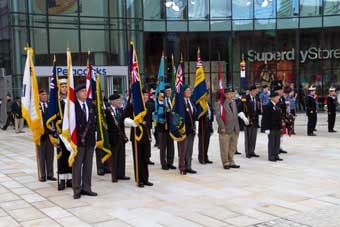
312, 53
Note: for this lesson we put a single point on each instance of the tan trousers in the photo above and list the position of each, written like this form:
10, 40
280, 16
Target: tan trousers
19, 124
228, 147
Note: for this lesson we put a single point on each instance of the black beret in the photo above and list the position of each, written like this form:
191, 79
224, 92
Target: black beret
252, 87
144, 90
79, 87
167, 86
265, 86
114, 96
273, 94
228, 89
185, 86
42, 90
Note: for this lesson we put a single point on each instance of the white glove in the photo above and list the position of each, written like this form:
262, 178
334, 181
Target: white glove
243, 117
130, 123
267, 132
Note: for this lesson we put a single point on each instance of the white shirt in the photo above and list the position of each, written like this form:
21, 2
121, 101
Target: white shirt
86, 107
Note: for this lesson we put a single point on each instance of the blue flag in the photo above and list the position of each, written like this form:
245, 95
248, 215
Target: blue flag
177, 116
139, 109
200, 89
53, 115
161, 84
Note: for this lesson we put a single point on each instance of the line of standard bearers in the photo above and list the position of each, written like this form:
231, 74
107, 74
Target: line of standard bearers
238, 113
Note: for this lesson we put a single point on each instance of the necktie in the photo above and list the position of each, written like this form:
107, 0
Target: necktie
254, 101
231, 107
188, 106
117, 114
84, 110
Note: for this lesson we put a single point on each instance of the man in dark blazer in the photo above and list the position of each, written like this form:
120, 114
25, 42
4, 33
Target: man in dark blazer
86, 141
272, 125
311, 111
140, 148
190, 131
117, 137
45, 149
331, 108
252, 109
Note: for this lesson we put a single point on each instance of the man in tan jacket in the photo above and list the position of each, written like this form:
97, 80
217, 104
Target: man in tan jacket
228, 128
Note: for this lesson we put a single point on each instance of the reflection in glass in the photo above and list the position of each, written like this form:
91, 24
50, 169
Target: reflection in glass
220, 9
287, 8
242, 9
198, 9
331, 7
176, 9
265, 8
310, 7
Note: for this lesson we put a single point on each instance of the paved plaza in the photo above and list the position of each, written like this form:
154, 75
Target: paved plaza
303, 190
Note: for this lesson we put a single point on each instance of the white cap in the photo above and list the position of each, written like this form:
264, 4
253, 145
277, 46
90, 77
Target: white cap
331, 89
63, 81
311, 88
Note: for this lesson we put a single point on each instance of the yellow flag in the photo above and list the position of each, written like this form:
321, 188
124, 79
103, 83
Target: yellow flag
30, 99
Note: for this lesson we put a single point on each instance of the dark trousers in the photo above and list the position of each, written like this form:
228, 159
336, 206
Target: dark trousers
62, 162
45, 158
250, 134
166, 146
187, 147
203, 141
10, 119
102, 168
155, 134
274, 144
82, 170
331, 120
312, 119
140, 161
118, 160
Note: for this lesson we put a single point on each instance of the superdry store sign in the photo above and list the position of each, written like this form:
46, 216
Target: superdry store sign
81, 70
312, 53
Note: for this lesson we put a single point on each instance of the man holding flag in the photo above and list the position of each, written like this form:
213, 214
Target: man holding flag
30, 103
134, 114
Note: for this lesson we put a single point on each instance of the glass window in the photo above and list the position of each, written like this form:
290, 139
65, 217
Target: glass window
176, 9
310, 7
118, 55
134, 8
93, 8
57, 7
287, 8
61, 39
331, 7
242, 9
198, 9
265, 8
220, 9
17, 6
154, 9
117, 8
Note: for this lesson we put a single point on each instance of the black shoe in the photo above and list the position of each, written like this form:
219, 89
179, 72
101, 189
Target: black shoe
238, 153
165, 168
151, 162
172, 167
77, 196
315, 130
42, 179
332, 130
311, 134
61, 185
90, 193
201, 162
100, 172
156, 144
107, 171
51, 178
191, 171
148, 183
4, 129
272, 160
209, 162
235, 166
248, 156
140, 185
226, 167
69, 183
279, 159
281, 151
123, 178
255, 155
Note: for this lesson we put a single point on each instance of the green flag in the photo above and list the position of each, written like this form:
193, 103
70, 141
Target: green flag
102, 134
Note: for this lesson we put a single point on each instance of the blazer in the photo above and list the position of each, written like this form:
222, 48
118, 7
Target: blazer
113, 130
231, 115
190, 118
252, 113
331, 104
310, 105
82, 124
271, 117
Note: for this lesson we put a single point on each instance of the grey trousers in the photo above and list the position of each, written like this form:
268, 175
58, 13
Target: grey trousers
82, 170
45, 158
250, 133
274, 138
188, 150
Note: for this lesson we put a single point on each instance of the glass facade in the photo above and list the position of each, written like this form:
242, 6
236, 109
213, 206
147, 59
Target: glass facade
292, 40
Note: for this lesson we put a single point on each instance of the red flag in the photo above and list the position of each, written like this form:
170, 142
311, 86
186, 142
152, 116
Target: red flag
221, 91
